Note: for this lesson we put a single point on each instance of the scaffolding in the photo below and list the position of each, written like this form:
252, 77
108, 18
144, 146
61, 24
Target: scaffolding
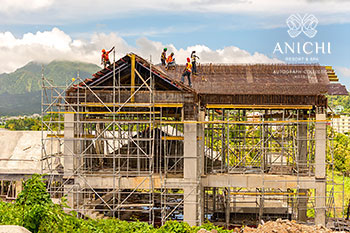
122, 152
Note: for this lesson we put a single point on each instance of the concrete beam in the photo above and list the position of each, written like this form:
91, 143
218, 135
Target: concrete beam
258, 181
107, 182
214, 180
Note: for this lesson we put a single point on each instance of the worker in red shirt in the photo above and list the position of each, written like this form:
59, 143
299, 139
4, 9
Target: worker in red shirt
104, 58
187, 72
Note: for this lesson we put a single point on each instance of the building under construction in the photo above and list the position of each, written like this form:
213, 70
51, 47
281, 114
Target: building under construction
246, 143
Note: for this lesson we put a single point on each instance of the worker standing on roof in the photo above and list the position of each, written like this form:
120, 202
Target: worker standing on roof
194, 60
187, 72
163, 56
104, 58
170, 62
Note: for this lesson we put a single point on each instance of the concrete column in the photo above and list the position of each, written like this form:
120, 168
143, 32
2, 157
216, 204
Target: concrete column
69, 191
68, 158
200, 148
228, 207
18, 187
191, 172
320, 170
68, 144
201, 141
100, 144
302, 161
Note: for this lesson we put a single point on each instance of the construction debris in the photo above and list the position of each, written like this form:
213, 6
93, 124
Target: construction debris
286, 226
205, 231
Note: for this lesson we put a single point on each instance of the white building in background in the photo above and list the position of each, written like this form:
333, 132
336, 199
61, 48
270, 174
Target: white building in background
342, 124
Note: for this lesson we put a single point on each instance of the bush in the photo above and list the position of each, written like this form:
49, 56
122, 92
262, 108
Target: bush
34, 210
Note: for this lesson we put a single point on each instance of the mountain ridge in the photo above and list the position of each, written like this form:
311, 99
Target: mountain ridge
20, 90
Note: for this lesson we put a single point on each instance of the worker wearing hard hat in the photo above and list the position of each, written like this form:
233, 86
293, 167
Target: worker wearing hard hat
187, 72
170, 62
104, 58
194, 58
163, 56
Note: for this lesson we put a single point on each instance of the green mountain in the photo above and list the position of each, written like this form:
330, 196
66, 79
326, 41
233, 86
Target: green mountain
20, 91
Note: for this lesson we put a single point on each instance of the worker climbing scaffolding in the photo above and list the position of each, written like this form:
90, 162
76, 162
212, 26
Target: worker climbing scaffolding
187, 72
105, 58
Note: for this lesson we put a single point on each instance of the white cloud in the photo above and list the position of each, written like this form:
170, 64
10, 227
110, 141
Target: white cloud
15, 6
57, 11
57, 45
344, 71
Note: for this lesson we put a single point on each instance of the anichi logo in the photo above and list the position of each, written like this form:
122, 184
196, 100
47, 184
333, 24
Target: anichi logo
298, 24
301, 49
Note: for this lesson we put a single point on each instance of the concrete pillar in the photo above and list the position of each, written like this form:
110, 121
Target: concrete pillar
68, 159
18, 187
302, 161
320, 170
201, 151
68, 190
68, 144
201, 141
228, 207
191, 172
100, 144
302, 205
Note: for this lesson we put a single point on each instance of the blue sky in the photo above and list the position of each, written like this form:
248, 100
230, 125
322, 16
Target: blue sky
229, 31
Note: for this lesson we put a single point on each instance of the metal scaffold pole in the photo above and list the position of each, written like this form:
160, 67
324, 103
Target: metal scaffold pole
131, 143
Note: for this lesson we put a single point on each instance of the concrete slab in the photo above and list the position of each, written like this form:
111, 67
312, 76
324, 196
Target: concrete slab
13, 229
20, 151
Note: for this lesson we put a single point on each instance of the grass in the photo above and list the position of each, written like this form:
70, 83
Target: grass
338, 193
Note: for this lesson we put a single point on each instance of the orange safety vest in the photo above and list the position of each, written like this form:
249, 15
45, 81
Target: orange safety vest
169, 59
105, 56
189, 67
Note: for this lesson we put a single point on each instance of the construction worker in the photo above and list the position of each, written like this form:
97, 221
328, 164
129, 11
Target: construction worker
170, 61
187, 72
194, 60
104, 58
163, 56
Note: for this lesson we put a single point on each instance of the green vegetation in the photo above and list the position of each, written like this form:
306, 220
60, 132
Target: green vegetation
34, 210
341, 153
20, 91
341, 100
34, 123
338, 190
24, 124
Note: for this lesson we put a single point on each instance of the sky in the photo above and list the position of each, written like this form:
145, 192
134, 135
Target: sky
220, 31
